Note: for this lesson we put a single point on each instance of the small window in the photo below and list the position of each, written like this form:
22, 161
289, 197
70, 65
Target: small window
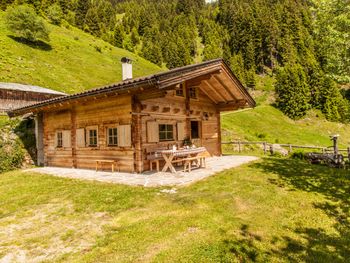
193, 93
112, 136
93, 138
180, 92
166, 132
194, 129
59, 139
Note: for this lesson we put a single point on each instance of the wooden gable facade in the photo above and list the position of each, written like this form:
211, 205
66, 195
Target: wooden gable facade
125, 121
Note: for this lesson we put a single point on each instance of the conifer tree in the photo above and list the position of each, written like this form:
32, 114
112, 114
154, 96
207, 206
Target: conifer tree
293, 92
118, 36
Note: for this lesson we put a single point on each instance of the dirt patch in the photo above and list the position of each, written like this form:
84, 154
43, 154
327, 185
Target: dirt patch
47, 232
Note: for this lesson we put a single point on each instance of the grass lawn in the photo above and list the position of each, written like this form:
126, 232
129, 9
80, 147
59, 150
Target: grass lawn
270, 210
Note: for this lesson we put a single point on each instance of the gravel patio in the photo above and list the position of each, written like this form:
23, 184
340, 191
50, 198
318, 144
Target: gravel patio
150, 179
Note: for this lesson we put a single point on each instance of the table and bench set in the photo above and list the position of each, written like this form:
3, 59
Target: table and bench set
183, 156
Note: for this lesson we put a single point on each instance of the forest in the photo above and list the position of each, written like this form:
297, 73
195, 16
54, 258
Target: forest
303, 44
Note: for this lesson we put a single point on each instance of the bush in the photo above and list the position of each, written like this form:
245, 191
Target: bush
298, 155
11, 155
55, 14
25, 23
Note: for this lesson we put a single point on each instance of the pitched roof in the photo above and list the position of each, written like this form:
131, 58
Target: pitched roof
161, 80
28, 88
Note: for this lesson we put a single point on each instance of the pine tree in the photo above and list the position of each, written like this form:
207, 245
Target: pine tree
118, 36
82, 8
293, 92
91, 22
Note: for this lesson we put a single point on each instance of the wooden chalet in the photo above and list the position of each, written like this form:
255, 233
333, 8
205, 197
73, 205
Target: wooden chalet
126, 120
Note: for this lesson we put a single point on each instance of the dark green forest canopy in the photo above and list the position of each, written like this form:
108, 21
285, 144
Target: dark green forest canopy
253, 36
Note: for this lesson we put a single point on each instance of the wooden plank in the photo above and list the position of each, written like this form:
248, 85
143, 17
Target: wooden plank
225, 87
124, 135
214, 91
152, 131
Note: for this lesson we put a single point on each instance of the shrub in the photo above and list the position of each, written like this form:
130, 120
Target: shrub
298, 155
25, 23
55, 14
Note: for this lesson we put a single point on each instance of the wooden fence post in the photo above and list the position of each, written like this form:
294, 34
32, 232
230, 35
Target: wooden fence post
265, 148
239, 146
290, 148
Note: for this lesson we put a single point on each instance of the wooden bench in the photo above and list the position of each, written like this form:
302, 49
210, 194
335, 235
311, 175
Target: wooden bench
112, 162
188, 162
153, 159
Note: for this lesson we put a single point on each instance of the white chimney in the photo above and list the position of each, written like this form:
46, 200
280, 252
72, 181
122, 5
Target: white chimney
127, 68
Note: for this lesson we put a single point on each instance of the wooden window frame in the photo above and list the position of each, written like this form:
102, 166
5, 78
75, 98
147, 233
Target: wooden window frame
196, 92
88, 130
166, 132
115, 136
59, 139
182, 88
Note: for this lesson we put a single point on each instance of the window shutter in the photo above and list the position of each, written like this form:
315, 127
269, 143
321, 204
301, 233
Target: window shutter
180, 131
80, 137
152, 131
55, 139
66, 138
124, 135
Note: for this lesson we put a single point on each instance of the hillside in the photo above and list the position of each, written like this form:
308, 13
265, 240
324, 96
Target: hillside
266, 123
70, 63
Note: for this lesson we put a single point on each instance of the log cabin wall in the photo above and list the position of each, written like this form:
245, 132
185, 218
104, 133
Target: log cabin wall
98, 114
172, 110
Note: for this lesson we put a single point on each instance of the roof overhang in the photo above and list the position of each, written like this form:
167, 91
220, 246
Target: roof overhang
213, 77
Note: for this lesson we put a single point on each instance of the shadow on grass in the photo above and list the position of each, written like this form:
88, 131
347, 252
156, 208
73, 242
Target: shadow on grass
244, 248
334, 185
37, 44
26, 133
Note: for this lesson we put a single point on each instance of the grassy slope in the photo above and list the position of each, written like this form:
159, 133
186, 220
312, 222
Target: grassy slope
274, 210
266, 123
71, 64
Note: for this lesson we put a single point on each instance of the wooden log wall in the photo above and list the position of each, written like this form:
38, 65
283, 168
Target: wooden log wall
103, 113
179, 109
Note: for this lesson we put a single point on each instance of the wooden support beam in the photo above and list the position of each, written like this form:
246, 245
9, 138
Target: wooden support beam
73, 117
225, 87
206, 93
215, 91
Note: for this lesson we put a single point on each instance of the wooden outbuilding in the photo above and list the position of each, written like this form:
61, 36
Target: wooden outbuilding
15, 95
127, 120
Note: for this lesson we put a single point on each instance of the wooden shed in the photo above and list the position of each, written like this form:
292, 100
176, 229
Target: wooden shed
15, 95
124, 121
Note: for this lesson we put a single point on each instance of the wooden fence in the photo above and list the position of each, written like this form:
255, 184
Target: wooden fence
266, 146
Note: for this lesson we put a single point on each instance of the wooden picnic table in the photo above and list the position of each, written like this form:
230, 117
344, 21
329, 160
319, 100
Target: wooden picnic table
169, 156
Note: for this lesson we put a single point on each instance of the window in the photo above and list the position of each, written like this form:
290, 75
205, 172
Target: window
93, 137
166, 132
194, 129
59, 139
180, 92
193, 93
112, 136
